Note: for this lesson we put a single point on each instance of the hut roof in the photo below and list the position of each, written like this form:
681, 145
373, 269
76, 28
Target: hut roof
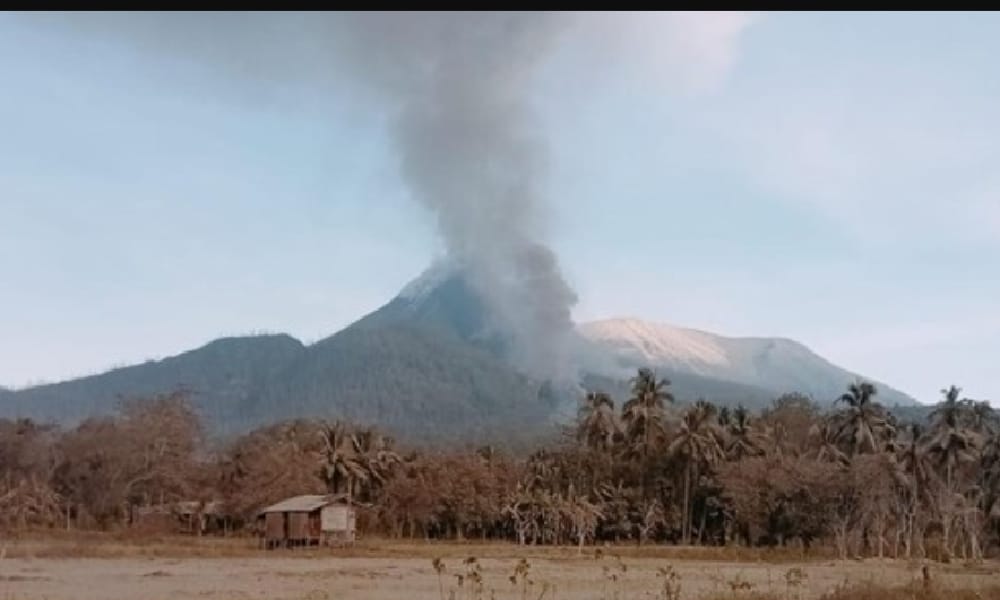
306, 503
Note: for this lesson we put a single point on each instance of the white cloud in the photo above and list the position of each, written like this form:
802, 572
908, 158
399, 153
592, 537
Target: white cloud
899, 155
689, 52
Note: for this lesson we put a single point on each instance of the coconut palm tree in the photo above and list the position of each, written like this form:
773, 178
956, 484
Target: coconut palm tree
990, 477
983, 419
644, 416
742, 439
953, 445
990, 460
776, 441
916, 475
951, 411
696, 447
374, 453
952, 448
953, 442
341, 467
863, 425
726, 416
597, 422
823, 443
542, 469
913, 458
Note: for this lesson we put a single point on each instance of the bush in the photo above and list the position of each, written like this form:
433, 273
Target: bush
914, 591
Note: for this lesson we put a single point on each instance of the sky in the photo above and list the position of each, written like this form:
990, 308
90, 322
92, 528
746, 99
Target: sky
831, 178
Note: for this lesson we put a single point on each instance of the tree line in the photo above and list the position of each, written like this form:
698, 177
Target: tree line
852, 477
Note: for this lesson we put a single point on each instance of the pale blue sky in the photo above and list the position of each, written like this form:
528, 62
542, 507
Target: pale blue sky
830, 178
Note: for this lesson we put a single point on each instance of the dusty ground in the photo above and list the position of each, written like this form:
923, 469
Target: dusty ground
35, 571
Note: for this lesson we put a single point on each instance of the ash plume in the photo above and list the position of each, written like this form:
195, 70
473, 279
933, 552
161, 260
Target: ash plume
469, 152
456, 89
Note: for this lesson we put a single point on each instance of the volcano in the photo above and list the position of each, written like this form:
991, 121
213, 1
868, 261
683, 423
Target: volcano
432, 363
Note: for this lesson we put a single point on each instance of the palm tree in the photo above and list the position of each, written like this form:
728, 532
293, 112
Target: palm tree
823, 440
983, 419
743, 440
374, 453
950, 411
597, 423
726, 416
542, 470
776, 441
990, 477
953, 443
917, 474
990, 461
644, 416
341, 465
913, 458
951, 448
696, 446
863, 425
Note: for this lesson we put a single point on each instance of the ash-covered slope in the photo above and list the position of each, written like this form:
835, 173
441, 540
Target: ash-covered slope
776, 365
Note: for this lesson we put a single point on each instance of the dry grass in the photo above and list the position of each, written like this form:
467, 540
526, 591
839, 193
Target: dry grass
914, 592
90, 566
61, 544
708, 584
875, 592
129, 544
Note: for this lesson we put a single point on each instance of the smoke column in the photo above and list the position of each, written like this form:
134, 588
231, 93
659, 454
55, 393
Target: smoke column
456, 88
469, 152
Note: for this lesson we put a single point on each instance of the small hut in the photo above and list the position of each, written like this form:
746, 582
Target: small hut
310, 520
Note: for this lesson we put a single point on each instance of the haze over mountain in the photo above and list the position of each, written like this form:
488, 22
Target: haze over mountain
433, 361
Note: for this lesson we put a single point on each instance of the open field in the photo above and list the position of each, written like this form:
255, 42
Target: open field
97, 568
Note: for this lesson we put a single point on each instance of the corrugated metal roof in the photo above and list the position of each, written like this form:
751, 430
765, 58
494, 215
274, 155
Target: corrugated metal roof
306, 503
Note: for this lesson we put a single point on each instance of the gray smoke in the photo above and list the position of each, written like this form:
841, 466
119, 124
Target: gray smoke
470, 153
456, 86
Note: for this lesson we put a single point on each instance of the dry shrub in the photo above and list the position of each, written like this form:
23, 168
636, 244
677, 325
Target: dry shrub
748, 596
776, 555
914, 591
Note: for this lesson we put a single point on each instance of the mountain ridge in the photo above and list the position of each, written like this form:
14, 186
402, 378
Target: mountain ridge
778, 363
431, 362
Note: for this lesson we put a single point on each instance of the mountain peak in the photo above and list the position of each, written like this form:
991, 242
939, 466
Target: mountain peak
776, 364
658, 343
433, 277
